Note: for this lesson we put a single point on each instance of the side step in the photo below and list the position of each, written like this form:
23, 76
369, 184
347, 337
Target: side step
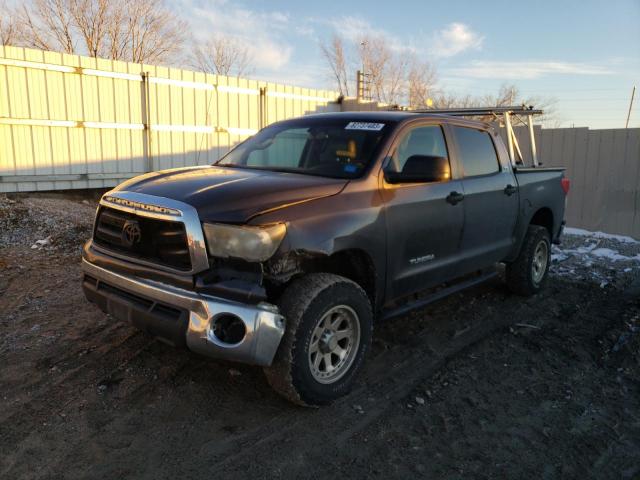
445, 292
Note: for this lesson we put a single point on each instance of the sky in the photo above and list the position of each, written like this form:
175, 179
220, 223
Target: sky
584, 55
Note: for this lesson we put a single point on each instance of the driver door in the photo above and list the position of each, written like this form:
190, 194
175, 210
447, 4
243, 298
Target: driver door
424, 224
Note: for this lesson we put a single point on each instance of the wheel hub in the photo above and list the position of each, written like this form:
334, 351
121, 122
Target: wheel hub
540, 260
334, 344
328, 341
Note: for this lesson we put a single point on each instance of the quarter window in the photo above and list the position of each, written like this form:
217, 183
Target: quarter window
477, 152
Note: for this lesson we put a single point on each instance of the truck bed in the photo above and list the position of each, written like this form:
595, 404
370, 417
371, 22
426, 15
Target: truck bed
540, 188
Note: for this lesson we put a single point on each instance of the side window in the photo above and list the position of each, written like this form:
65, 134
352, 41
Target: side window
477, 152
428, 140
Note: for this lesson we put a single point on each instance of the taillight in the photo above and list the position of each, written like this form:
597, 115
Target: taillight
566, 184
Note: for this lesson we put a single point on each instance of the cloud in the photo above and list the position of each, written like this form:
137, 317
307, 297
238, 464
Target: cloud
264, 33
354, 29
523, 70
454, 39
307, 75
450, 41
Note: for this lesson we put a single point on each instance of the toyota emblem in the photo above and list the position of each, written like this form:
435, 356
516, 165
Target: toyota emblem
131, 233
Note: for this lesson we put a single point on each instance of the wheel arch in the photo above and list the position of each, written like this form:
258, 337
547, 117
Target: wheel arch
354, 263
543, 217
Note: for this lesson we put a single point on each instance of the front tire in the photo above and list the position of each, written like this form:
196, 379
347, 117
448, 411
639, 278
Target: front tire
329, 325
528, 273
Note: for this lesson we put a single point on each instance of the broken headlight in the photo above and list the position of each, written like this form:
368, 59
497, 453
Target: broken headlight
251, 243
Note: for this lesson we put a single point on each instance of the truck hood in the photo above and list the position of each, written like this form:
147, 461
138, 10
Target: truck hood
232, 195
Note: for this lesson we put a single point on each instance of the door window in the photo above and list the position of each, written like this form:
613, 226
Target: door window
477, 152
427, 140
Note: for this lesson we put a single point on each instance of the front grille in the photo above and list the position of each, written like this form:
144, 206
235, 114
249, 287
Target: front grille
158, 241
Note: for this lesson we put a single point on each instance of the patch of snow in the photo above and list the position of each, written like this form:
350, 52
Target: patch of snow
612, 255
41, 243
558, 257
603, 259
609, 236
587, 248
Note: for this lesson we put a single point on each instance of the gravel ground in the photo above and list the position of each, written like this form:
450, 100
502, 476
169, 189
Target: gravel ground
48, 222
607, 260
480, 385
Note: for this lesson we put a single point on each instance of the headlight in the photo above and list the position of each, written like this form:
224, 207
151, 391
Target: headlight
254, 244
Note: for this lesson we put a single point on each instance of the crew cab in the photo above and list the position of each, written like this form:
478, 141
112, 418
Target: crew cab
285, 252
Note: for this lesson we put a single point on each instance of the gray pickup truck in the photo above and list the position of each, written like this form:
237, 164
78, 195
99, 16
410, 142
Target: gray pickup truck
286, 252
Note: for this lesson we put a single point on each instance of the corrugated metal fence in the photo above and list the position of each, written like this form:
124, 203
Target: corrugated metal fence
77, 122
604, 169
68, 121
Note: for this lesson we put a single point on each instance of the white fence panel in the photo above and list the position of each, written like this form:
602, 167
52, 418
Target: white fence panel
68, 121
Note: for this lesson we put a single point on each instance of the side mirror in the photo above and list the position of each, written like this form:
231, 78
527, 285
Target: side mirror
421, 169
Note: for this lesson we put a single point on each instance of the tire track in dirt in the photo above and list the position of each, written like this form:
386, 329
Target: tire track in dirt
341, 422
379, 380
55, 395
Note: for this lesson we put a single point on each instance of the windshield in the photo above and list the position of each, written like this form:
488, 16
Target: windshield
313, 146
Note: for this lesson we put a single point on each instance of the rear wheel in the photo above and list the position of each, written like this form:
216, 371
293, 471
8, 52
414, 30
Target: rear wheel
329, 324
528, 273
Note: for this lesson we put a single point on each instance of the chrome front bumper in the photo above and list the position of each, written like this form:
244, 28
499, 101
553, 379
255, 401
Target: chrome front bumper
264, 326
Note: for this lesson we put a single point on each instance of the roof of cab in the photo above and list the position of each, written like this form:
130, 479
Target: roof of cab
392, 116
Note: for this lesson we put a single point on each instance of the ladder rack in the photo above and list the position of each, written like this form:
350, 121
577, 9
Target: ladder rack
506, 113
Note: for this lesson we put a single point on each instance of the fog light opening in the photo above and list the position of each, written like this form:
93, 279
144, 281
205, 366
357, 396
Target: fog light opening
228, 328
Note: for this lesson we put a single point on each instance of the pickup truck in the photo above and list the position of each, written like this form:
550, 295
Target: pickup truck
286, 251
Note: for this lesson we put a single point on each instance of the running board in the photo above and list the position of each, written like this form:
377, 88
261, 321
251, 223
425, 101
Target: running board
445, 292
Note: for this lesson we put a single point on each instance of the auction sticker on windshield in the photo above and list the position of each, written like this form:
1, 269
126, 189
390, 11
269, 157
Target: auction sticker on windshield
364, 126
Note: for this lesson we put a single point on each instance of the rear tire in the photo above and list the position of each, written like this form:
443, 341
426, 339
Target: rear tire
528, 273
329, 325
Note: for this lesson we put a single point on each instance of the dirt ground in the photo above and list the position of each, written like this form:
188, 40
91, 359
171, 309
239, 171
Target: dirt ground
480, 385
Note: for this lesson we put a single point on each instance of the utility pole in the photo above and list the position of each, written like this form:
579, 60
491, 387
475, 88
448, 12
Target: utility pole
360, 81
633, 94
363, 91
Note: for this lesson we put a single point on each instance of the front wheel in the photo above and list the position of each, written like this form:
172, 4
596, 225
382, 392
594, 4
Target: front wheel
528, 273
329, 324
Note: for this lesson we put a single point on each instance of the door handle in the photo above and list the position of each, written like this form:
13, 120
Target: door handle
510, 190
454, 197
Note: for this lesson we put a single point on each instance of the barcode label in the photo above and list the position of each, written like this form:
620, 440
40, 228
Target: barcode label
364, 126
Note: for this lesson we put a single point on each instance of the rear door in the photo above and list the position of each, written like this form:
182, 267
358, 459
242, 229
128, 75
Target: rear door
423, 227
490, 198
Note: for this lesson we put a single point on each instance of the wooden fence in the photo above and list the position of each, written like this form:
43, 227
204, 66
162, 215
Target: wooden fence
68, 121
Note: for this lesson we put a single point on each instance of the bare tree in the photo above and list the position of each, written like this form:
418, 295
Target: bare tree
154, 34
509, 94
448, 100
375, 58
9, 27
116, 32
48, 25
222, 55
391, 77
130, 30
90, 18
421, 81
334, 54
